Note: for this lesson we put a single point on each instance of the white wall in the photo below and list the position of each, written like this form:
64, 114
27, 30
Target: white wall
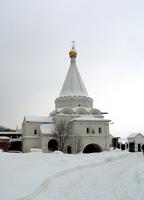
103, 139
30, 139
30, 142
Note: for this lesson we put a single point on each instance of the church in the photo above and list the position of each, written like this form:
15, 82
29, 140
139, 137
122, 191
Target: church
87, 130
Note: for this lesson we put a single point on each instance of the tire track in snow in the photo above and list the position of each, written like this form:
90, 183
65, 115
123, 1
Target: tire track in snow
51, 178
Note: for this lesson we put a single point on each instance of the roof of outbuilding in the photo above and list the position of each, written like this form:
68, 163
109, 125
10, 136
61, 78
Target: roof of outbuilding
89, 118
4, 138
10, 133
47, 119
133, 135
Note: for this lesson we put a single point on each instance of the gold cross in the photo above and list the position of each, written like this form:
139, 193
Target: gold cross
73, 44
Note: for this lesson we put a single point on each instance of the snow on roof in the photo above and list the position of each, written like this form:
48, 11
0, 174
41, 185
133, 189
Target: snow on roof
73, 84
47, 119
10, 133
4, 138
16, 139
89, 118
47, 128
133, 135
124, 141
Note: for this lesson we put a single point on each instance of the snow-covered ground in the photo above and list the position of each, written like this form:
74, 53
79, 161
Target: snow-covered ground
114, 175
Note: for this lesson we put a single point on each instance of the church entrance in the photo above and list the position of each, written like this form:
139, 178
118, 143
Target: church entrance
92, 148
132, 146
52, 145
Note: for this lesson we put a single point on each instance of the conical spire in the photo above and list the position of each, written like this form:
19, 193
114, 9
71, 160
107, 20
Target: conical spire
73, 84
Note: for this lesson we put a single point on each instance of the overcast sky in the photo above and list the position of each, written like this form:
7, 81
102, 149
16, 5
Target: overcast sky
35, 38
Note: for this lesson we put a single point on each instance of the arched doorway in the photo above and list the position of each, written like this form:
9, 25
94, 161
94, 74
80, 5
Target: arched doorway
52, 145
92, 148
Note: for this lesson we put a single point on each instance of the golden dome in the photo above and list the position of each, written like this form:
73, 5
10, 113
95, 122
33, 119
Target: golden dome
73, 52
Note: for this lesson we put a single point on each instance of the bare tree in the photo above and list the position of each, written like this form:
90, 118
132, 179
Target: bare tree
78, 145
5, 129
61, 133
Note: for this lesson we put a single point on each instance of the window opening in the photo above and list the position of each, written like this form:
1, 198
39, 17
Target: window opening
100, 130
87, 130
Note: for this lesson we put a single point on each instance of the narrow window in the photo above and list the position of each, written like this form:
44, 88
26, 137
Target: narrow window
87, 130
100, 130
35, 132
93, 131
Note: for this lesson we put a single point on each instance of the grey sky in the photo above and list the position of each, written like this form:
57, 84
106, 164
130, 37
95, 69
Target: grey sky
35, 37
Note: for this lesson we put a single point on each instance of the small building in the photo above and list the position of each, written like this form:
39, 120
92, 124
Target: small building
135, 142
36, 132
11, 141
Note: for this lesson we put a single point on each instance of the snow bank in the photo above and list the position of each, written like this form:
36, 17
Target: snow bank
35, 150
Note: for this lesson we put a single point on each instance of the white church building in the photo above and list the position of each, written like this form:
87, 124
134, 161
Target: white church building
88, 130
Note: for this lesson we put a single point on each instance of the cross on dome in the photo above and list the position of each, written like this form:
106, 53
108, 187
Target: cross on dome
73, 52
73, 44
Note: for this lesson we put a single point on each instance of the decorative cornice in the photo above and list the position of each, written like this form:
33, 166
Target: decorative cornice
73, 97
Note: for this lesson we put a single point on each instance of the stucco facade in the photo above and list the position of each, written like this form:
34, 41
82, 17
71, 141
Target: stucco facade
92, 132
31, 135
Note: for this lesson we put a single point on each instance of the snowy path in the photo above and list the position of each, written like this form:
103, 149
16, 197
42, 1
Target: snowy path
117, 180
113, 175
